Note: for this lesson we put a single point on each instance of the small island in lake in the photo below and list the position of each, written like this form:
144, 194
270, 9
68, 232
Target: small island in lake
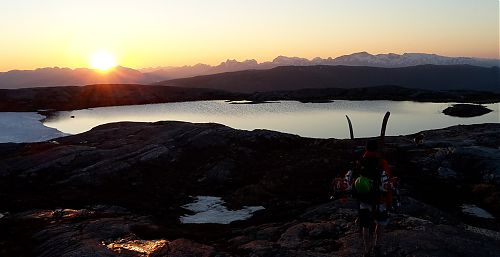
466, 110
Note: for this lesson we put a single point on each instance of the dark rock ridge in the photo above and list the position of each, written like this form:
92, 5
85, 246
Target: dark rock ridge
71, 98
395, 93
431, 77
466, 110
117, 190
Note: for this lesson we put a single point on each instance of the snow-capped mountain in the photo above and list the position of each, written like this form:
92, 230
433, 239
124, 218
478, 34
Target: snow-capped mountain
408, 59
390, 60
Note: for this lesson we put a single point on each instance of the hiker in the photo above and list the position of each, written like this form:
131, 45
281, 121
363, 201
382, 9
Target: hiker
373, 192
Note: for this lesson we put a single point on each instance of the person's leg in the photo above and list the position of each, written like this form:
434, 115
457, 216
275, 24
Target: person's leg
382, 219
379, 230
367, 240
366, 224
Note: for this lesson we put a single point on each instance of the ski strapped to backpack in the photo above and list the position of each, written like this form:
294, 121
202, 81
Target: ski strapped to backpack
351, 183
351, 132
342, 187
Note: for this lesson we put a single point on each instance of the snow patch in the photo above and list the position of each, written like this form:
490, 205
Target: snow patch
210, 209
24, 127
473, 210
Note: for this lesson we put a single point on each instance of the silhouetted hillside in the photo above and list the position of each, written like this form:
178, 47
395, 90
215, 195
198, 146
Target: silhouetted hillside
72, 98
49, 77
434, 77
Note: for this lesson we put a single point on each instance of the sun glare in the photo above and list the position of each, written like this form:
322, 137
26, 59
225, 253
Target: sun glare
102, 60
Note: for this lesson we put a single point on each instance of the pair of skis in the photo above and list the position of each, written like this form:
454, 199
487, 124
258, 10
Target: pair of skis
394, 180
343, 185
382, 131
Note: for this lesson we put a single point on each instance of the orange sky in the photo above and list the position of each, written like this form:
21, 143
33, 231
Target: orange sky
153, 33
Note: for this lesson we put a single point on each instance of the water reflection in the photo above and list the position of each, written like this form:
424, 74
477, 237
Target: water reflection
321, 120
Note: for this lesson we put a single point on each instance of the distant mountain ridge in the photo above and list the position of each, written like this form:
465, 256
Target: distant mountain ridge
56, 76
390, 60
82, 76
430, 77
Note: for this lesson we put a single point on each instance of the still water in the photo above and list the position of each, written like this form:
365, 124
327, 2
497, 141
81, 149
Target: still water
319, 120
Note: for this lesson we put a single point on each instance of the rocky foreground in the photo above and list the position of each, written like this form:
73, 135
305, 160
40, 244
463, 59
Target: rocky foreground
118, 189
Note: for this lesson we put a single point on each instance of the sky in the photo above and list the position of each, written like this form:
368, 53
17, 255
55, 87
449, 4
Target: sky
151, 33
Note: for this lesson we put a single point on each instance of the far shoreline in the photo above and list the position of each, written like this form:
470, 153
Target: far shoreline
53, 99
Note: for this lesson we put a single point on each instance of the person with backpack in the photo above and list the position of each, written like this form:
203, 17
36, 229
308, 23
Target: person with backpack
372, 190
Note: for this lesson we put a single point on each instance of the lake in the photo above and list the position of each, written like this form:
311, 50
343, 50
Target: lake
319, 120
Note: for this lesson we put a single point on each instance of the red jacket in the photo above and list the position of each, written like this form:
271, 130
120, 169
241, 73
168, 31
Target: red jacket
383, 163
386, 198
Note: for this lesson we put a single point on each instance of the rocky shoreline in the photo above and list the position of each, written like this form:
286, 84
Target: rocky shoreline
53, 99
118, 190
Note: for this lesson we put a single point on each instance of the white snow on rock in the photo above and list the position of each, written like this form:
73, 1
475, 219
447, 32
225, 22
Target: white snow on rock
471, 209
24, 127
210, 209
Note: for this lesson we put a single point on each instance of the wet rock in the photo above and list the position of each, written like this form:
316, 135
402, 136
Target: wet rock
136, 247
71, 232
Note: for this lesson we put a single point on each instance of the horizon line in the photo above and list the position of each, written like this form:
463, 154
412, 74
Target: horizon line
243, 60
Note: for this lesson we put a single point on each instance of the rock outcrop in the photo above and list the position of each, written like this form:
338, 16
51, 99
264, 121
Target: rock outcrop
118, 189
466, 110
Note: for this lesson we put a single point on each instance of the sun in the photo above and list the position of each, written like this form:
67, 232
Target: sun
102, 60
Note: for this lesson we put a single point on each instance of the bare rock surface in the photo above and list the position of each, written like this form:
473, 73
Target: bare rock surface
118, 190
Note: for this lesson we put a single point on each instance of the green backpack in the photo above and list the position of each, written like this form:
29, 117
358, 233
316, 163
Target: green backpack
363, 185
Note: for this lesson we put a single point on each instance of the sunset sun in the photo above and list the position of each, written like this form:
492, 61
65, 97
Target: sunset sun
102, 60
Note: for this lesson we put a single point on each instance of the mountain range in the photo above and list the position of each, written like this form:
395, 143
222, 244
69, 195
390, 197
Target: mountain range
44, 77
56, 76
357, 59
430, 77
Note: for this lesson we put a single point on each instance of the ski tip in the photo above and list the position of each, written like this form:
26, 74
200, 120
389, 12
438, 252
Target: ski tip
384, 124
351, 132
